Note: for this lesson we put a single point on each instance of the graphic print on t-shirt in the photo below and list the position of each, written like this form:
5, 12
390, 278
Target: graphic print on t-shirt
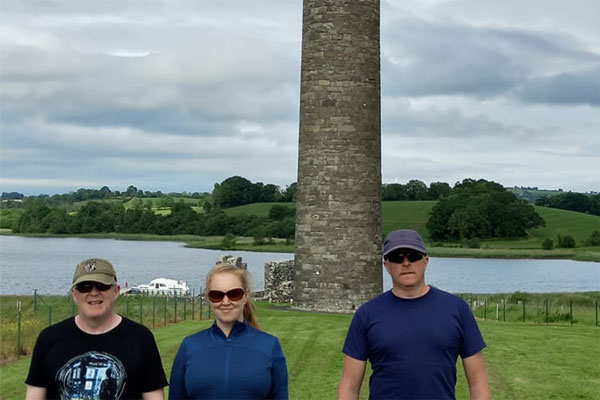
92, 375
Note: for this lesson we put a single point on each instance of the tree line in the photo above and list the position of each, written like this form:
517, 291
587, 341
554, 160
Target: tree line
98, 217
580, 202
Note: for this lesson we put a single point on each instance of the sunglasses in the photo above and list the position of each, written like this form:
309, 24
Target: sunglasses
217, 296
398, 258
86, 287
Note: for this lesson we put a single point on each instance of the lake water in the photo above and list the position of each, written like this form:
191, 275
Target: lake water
47, 264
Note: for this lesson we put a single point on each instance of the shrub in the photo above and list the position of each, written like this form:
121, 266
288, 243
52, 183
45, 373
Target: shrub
566, 241
594, 239
228, 241
548, 244
473, 243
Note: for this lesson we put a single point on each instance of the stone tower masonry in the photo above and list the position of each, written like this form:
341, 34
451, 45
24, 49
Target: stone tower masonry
338, 217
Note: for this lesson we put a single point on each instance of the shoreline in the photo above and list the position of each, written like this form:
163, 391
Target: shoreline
588, 254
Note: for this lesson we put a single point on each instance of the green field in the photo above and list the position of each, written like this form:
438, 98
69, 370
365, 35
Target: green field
260, 209
524, 360
414, 215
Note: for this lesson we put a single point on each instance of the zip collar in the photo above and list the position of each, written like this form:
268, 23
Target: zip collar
237, 328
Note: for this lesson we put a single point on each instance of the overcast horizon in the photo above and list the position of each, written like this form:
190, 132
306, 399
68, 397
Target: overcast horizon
179, 95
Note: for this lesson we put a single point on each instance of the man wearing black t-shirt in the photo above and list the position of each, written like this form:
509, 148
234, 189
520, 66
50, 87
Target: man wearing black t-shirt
97, 354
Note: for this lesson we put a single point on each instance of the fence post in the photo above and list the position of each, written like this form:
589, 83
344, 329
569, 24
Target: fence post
193, 298
19, 342
596, 312
571, 310
175, 307
49, 316
485, 308
165, 310
202, 303
153, 311
523, 310
504, 310
35, 300
127, 306
141, 309
184, 308
547, 311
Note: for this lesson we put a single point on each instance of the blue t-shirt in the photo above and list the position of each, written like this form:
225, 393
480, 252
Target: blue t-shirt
249, 364
413, 344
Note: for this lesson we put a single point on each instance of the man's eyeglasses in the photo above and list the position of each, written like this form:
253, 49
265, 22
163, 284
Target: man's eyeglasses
217, 296
398, 258
86, 287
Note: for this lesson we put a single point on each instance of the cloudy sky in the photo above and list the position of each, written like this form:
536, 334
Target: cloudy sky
176, 95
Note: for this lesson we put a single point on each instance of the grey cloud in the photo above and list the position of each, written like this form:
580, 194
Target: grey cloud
580, 87
398, 118
427, 58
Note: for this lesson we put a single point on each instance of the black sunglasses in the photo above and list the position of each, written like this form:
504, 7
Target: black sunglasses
398, 258
86, 287
217, 296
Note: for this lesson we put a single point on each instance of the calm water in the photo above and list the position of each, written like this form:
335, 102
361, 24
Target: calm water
47, 264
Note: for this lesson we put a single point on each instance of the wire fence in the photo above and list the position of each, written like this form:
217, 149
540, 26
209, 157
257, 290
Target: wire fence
565, 309
21, 326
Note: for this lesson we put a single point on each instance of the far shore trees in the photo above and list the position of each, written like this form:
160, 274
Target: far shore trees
481, 209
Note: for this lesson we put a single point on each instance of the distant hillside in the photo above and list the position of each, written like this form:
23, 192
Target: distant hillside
414, 215
531, 194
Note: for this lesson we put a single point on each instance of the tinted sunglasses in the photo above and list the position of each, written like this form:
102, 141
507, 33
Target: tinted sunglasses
86, 287
217, 296
398, 258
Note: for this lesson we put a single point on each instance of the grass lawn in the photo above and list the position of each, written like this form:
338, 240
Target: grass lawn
524, 361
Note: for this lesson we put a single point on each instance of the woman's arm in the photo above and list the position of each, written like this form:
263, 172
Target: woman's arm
177, 384
279, 376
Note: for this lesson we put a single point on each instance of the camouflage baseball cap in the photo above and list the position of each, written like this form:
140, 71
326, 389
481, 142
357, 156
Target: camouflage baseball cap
96, 270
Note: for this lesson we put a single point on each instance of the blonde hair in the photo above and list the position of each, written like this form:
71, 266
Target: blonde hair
242, 274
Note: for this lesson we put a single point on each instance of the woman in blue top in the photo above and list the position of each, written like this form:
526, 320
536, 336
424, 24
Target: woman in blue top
233, 359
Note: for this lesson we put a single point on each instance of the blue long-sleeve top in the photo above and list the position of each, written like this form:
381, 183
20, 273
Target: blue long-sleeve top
249, 364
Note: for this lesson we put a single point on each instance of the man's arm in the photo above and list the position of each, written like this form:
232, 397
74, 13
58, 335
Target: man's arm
158, 394
35, 393
352, 377
479, 386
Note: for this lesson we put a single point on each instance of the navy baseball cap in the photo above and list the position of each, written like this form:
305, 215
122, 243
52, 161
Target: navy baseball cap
403, 239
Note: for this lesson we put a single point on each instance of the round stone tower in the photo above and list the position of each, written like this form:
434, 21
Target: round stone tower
338, 208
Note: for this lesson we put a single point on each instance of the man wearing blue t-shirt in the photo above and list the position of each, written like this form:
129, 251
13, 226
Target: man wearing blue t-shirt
412, 334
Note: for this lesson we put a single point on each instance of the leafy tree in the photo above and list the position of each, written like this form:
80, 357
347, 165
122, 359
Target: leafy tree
229, 241
289, 194
206, 206
481, 209
131, 191
393, 191
33, 219
165, 202
438, 190
269, 193
548, 244
416, 190
594, 239
234, 191
566, 241
278, 212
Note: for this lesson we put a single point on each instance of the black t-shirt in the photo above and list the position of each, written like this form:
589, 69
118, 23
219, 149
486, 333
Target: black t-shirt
122, 363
